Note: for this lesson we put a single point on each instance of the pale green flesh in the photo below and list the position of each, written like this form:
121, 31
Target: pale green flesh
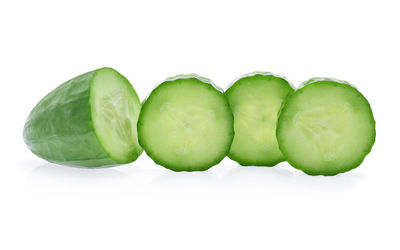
115, 109
255, 101
186, 125
326, 128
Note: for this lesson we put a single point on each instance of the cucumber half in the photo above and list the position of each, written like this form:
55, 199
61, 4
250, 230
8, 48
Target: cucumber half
186, 124
255, 100
326, 127
88, 121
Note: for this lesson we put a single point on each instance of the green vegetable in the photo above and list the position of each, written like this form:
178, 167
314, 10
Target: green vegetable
88, 121
186, 124
326, 127
255, 100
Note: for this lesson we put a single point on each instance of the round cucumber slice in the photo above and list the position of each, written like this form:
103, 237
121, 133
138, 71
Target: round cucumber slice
326, 127
186, 124
88, 121
255, 100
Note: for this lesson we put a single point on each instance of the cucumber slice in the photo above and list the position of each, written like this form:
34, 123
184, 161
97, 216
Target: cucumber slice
326, 127
256, 99
186, 124
88, 121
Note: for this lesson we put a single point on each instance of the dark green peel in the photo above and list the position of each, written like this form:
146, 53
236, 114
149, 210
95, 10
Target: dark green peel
64, 127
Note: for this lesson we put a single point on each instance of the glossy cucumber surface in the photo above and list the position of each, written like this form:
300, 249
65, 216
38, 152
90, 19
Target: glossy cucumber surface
88, 121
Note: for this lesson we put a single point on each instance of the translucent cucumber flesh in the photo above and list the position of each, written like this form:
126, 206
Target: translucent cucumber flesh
255, 101
115, 111
326, 128
186, 125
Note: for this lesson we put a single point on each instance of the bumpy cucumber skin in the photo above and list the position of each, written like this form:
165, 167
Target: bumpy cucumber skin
324, 171
153, 156
235, 84
60, 129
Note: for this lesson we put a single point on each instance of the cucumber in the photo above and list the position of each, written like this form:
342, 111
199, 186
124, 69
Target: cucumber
255, 100
186, 124
88, 121
326, 127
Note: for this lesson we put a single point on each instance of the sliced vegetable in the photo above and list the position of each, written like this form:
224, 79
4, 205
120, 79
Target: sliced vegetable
326, 127
88, 121
186, 124
255, 100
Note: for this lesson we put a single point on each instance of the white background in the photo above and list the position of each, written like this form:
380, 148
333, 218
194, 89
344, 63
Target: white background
144, 206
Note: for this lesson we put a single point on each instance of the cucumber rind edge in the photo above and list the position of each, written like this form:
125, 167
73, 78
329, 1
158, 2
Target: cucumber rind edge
254, 73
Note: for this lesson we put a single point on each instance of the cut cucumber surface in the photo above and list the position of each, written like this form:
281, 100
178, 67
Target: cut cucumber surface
186, 124
326, 127
255, 100
88, 121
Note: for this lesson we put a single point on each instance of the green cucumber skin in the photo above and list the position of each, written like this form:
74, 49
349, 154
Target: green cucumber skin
247, 163
338, 83
60, 128
159, 161
235, 84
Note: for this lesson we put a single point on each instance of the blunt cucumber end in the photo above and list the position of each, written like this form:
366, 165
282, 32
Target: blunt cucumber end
88, 121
